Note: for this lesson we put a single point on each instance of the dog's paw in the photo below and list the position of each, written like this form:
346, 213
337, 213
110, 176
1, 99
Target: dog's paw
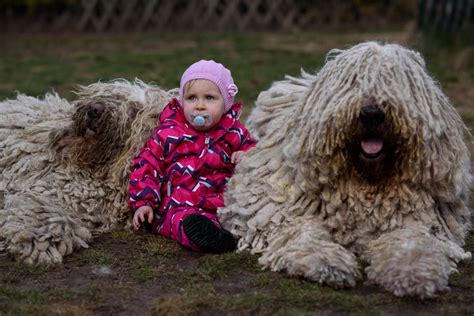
410, 264
420, 278
331, 265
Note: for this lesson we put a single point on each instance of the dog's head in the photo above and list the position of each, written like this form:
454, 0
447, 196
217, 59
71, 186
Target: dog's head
375, 114
111, 120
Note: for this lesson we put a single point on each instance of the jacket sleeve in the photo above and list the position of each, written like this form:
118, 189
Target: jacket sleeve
147, 175
247, 141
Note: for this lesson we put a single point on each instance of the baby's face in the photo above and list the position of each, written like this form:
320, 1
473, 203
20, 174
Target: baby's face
203, 97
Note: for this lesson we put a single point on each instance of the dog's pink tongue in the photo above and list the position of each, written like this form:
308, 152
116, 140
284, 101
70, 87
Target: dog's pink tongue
372, 146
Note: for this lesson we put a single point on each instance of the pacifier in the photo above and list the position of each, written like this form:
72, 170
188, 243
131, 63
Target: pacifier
201, 119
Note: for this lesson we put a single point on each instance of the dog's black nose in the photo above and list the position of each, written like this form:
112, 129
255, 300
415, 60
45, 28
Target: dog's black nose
95, 110
372, 115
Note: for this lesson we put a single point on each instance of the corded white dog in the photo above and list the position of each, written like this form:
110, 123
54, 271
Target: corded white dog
365, 160
65, 166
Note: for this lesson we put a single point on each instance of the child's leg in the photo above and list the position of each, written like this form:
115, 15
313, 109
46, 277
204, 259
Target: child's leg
203, 232
196, 230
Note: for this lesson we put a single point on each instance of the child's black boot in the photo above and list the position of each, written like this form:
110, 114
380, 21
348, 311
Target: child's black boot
201, 231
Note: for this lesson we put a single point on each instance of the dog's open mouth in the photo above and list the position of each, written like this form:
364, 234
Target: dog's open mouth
372, 148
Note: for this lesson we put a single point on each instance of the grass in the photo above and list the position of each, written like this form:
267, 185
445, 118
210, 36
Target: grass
32, 296
37, 68
151, 274
190, 283
281, 293
146, 270
97, 257
31, 301
162, 250
34, 64
18, 270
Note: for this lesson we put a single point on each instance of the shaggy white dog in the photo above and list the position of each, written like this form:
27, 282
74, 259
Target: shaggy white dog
364, 160
65, 166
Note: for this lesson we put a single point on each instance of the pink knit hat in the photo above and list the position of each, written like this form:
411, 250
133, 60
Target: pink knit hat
215, 72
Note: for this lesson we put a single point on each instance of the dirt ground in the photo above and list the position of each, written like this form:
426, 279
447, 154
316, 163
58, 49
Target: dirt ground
126, 273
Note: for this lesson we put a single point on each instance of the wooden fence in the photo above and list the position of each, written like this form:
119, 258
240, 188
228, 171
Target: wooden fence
200, 15
445, 15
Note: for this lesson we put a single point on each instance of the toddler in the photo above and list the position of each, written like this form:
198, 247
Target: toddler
178, 178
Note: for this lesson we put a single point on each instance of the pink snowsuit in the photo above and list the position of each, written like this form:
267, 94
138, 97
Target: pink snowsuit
181, 171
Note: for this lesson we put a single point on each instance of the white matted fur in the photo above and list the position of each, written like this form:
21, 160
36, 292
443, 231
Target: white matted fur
65, 166
301, 199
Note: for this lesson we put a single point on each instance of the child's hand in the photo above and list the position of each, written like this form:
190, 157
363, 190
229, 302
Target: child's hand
236, 156
142, 213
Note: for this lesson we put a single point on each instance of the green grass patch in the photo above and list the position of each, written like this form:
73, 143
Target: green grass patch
59, 301
162, 248
212, 267
94, 256
171, 305
145, 269
304, 295
213, 285
204, 298
34, 296
48, 310
249, 301
122, 234
153, 58
36, 65
286, 296
19, 271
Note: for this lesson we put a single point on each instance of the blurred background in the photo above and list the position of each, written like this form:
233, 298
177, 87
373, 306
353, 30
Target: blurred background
56, 45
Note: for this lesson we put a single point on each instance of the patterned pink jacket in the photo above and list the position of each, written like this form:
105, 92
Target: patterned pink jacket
182, 168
